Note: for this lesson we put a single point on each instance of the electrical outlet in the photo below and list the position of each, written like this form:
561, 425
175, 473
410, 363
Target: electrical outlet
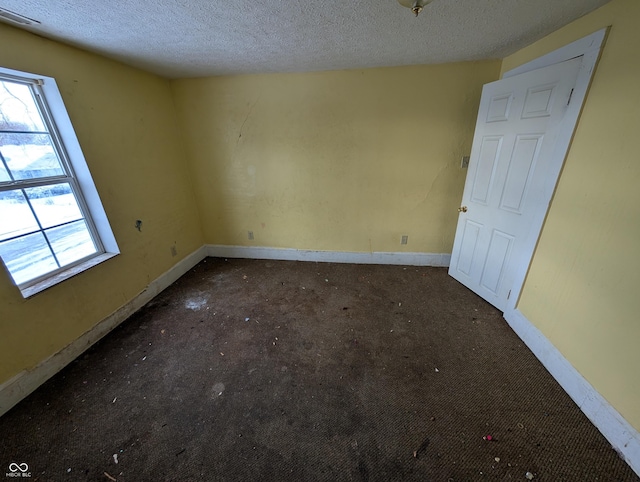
250, 234
405, 239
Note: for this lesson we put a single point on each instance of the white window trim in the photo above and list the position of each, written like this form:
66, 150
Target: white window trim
83, 177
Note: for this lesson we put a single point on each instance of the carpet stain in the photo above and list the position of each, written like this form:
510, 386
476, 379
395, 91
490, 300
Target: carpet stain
196, 303
217, 390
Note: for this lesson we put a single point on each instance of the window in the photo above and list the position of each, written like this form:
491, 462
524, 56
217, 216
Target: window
52, 224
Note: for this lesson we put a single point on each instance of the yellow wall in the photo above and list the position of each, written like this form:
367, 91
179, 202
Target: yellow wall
582, 290
340, 161
125, 122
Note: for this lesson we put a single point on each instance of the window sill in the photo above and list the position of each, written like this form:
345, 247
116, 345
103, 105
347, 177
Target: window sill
65, 275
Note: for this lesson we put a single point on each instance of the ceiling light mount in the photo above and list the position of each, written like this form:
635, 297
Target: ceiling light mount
416, 6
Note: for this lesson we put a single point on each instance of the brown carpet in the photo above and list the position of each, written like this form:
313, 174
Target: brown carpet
280, 371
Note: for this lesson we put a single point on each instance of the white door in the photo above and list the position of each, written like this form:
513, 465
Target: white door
518, 122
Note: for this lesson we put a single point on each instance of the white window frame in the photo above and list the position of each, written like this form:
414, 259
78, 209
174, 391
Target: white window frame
88, 197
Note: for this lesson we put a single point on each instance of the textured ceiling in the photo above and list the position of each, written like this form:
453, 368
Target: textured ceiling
193, 38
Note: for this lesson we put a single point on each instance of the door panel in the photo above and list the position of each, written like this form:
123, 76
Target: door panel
469, 242
489, 153
520, 171
496, 261
539, 101
499, 108
518, 121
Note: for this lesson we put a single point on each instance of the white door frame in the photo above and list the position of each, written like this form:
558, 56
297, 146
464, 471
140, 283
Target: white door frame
624, 438
589, 47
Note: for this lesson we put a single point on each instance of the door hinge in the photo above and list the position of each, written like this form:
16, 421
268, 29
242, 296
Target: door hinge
570, 95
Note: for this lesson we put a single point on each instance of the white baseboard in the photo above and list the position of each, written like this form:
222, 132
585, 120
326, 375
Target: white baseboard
623, 437
288, 254
20, 386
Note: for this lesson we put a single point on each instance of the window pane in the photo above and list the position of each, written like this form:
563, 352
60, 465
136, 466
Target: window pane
71, 242
15, 216
30, 155
19, 111
28, 257
54, 204
4, 175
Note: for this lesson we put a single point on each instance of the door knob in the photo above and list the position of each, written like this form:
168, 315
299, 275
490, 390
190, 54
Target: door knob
462, 209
